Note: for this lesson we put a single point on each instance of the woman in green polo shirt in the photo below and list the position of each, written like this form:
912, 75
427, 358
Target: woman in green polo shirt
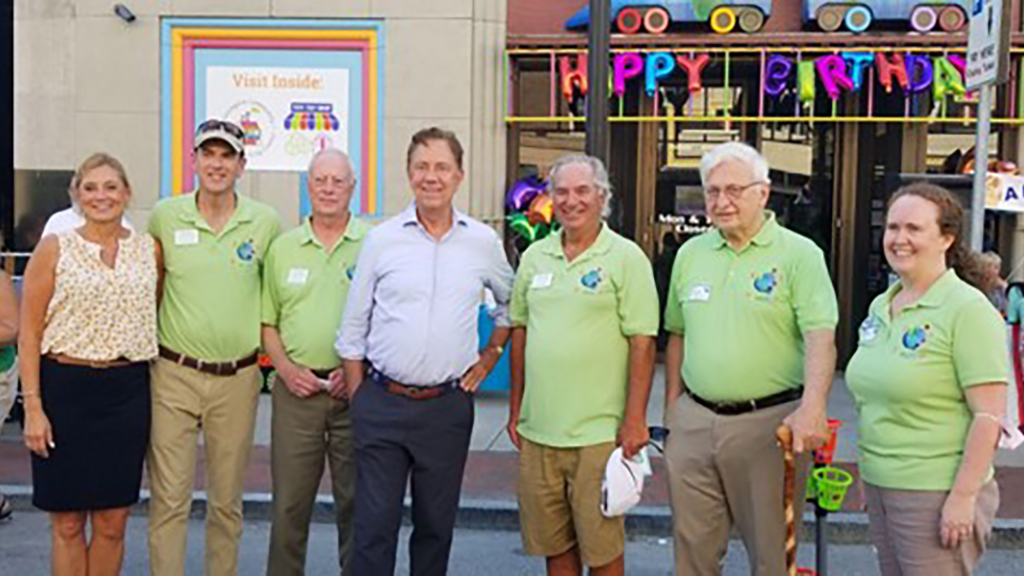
929, 377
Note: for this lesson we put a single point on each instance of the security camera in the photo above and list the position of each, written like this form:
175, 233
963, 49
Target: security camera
124, 13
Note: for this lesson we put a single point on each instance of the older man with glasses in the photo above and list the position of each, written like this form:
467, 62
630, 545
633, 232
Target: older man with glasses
305, 286
751, 316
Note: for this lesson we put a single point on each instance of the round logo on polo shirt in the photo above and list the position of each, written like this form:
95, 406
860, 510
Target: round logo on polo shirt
766, 282
246, 251
915, 337
592, 279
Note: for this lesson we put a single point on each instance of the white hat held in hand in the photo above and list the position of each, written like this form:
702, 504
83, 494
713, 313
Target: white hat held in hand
623, 483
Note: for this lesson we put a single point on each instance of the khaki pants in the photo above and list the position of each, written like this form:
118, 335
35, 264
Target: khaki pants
303, 432
905, 531
224, 407
726, 470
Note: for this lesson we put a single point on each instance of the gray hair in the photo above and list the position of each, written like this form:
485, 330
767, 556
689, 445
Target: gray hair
329, 152
601, 180
734, 151
992, 258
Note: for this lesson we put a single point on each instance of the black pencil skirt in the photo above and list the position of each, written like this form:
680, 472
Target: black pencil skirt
100, 420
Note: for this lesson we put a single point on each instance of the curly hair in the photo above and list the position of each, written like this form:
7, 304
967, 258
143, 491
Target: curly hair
968, 264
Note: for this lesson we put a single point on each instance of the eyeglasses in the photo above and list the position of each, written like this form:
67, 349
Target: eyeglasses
229, 127
732, 191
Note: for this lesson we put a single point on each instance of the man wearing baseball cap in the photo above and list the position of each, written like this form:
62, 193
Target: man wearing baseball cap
206, 377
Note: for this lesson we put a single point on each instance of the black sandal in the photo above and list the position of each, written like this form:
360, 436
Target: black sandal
6, 510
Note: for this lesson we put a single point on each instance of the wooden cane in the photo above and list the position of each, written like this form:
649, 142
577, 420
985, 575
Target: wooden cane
785, 437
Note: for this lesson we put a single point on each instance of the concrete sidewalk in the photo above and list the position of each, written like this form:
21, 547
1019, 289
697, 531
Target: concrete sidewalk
489, 487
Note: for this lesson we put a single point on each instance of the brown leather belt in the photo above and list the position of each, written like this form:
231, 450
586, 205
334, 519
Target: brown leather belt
409, 391
215, 368
72, 361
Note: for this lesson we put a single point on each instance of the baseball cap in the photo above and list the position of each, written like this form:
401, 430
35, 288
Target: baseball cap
228, 132
623, 483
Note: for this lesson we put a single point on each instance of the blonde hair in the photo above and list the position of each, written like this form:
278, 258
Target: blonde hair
98, 160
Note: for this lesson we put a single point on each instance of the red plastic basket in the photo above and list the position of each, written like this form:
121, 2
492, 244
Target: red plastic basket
826, 453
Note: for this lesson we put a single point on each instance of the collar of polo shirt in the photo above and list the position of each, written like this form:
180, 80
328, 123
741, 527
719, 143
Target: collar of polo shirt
553, 245
933, 298
764, 237
243, 213
354, 232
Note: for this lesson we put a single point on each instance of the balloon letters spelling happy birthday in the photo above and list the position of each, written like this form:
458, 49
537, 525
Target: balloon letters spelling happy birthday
832, 71
805, 81
920, 72
694, 68
776, 72
624, 67
573, 76
887, 68
659, 65
858, 62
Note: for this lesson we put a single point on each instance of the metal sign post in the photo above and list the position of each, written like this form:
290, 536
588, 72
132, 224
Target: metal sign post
987, 54
598, 130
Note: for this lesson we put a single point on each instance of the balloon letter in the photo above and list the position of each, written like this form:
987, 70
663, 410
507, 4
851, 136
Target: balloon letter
659, 65
693, 68
777, 72
889, 68
625, 66
920, 72
805, 80
858, 62
573, 76
947, 79
832, 71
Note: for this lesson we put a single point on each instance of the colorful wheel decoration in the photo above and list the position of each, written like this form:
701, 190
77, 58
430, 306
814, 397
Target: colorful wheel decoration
629, 20
656, 20
723, 20
750, 20
924, 18
830, 18
858, 19
952, 18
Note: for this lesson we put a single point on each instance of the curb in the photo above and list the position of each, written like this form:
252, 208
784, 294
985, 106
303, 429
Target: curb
845, 528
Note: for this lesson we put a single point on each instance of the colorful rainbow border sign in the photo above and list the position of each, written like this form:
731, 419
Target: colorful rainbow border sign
188, 45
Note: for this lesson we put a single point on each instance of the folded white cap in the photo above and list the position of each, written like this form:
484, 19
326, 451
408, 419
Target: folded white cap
622, 486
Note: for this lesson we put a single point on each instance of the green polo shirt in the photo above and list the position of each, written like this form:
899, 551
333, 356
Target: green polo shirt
305, 287
743, 314
908, 378
211, 300
579, 316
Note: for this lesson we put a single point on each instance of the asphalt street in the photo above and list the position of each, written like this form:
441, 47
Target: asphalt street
24, 551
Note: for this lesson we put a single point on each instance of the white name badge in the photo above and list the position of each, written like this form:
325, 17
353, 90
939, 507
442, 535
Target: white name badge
298, 275
185, 237
542, 280
700, 293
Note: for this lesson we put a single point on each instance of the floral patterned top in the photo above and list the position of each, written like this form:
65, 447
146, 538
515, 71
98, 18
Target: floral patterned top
101, 313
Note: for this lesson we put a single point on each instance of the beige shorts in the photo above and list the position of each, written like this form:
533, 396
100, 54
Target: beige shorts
560, 503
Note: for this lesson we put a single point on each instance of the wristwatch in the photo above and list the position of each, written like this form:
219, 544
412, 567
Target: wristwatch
499, 349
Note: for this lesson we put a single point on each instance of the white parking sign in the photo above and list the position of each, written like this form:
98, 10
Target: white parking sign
987, 45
